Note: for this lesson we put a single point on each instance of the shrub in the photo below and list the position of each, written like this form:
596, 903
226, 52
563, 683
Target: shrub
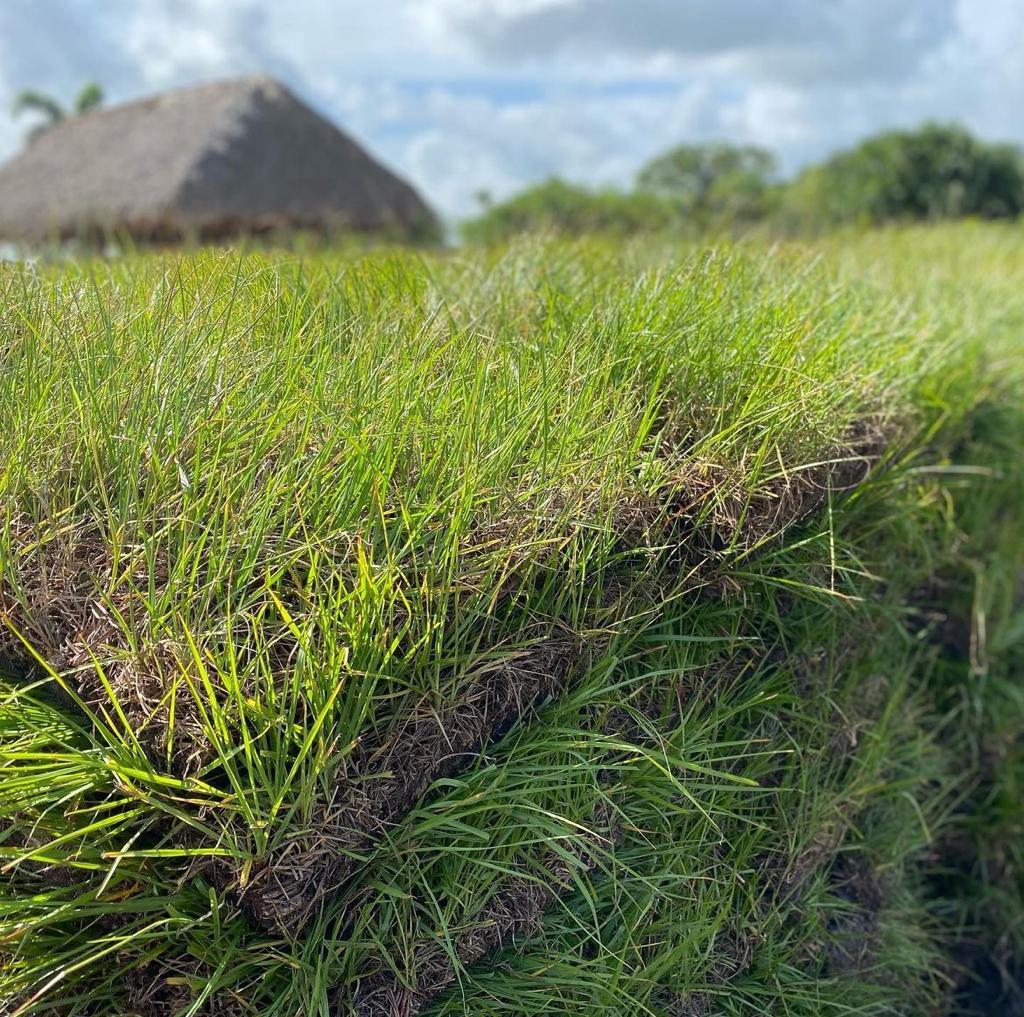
936, 172
572, 210
713, 184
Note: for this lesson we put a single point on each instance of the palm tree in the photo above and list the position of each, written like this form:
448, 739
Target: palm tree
90, 96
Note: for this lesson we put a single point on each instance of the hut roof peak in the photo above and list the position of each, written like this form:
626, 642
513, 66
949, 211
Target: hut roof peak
236, 155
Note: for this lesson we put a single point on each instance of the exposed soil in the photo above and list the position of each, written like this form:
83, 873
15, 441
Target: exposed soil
688, 1004
853, 933
942, 615
990, 988
36, 874
150, 994
162, 989
68, 609
711, 515
703, 516
427, 746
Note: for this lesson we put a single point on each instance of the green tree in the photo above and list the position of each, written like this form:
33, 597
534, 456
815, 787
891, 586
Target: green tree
89, 97
715, 183
571, 210
935, 172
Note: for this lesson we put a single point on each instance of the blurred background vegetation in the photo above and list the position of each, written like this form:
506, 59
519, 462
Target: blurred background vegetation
934, 172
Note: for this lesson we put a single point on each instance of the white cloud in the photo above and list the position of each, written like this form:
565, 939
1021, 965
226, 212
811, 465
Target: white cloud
801, 40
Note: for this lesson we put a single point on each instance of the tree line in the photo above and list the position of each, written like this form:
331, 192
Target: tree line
934, 172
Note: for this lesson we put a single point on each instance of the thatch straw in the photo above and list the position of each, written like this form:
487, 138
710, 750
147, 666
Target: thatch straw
240, 156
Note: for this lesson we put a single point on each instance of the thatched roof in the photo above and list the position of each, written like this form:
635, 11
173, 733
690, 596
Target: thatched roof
212, 160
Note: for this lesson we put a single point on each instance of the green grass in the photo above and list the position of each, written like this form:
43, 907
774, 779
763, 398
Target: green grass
259, 515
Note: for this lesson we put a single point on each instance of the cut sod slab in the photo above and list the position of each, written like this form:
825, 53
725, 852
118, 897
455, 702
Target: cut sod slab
430, 744
286, 889
340, 590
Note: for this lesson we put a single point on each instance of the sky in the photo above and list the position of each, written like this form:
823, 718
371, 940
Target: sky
471, 96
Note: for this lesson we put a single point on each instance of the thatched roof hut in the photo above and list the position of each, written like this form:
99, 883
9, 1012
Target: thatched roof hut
214, 160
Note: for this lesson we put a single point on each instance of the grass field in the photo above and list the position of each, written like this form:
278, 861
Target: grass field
561, 630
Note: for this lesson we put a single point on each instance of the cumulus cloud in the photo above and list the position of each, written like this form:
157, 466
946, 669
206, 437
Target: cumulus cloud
129, 46
800, 40
463, 95
463, 143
